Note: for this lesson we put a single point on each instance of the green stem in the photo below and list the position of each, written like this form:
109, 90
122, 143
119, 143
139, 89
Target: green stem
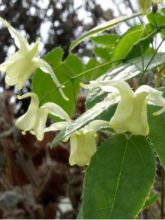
81, 74
95, 68
153, 56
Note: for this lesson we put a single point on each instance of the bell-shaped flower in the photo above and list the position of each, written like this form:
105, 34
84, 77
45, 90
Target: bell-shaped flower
125, 106
82, 147
138, 123
131, 111
82, 142
34, 120
21, 65
122, 90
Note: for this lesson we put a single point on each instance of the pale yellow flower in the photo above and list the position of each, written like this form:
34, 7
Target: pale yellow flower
21, 65
82, 142
34, 120
131, 111
82, 147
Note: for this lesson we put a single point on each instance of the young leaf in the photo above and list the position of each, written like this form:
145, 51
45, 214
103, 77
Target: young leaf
130, 39
119, 179
101, 28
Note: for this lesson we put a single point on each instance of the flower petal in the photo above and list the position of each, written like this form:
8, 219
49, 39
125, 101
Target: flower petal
20, 71
40, 124
97, 124
20, 41
58, 126
82, 147
124, 108
157, 1
33, 49
56, 110
137, 124
27, 121
154, 97
144, 5
11, 81
11, 60
109, 86
96, 84
4, 66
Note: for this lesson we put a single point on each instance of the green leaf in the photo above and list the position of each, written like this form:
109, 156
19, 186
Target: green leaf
158, 20
45, 88
55, 56
156, 135
152, 199
105, 40
92, 70
129, 40
142, 48
103, 53
101, 28
119, 179
92, 63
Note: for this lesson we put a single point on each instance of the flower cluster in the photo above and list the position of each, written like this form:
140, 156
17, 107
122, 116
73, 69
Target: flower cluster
130, 114
83, 141
18, 68
34, 120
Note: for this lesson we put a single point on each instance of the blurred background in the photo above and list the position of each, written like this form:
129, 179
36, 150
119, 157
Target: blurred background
36, 182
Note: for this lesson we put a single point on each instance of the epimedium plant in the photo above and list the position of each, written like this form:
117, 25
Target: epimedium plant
121, 169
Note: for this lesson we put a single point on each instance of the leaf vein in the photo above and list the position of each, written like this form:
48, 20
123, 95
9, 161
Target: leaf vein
118, 180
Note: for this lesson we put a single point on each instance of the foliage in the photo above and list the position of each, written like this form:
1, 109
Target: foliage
115, 159
123, 71
66, 71
121, 174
